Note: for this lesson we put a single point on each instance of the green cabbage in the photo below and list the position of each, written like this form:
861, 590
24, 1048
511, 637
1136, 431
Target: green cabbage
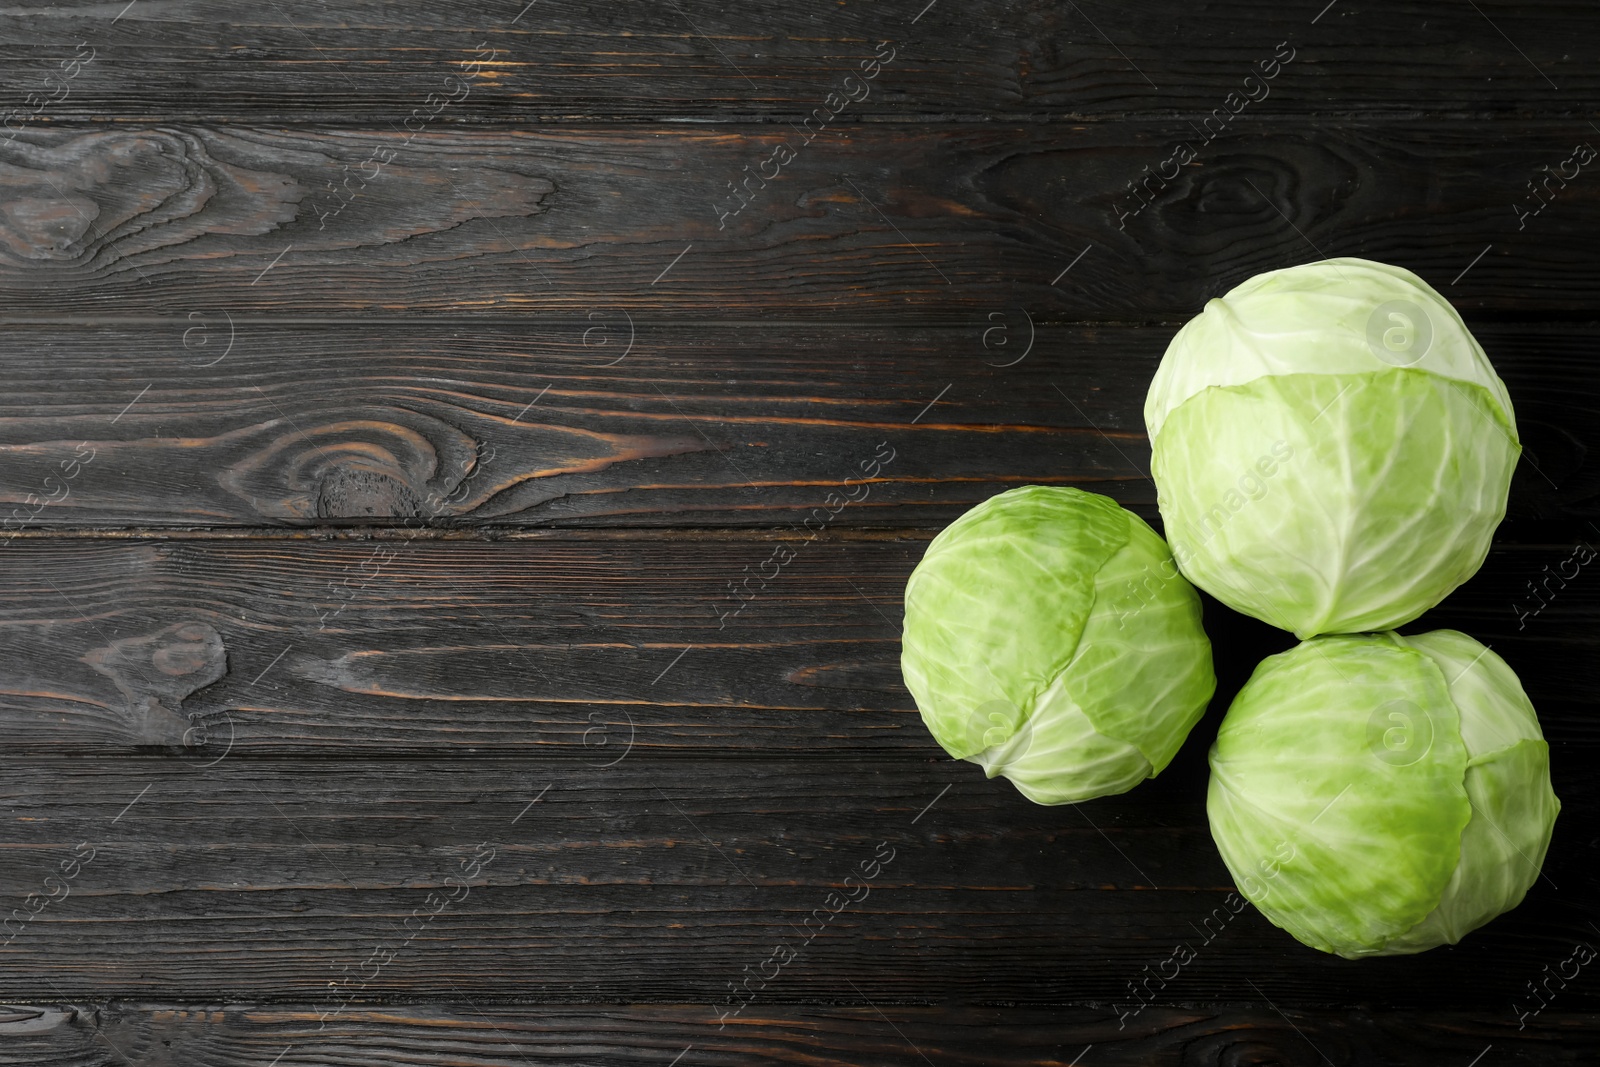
1377, 794
1331, 449
1050, 638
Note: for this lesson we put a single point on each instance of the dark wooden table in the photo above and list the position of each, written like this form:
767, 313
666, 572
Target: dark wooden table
412, 646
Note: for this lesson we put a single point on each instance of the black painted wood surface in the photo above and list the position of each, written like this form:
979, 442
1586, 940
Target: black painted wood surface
378, 464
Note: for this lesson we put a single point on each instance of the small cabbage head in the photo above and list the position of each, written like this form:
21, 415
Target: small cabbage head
1049, 637
1379, 795
1331, 448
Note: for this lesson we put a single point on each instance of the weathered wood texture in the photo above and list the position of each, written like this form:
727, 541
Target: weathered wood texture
385, 470
632, 59
918, 222
274, 878
567, 643
883, 1035
206, 422
592, 424
704, 794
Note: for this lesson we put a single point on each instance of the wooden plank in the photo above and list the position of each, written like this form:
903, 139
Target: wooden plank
569, 825
297, 644
885, 1035
564, 59
207, 423
574, 644
944, 223
588, 424
660, 881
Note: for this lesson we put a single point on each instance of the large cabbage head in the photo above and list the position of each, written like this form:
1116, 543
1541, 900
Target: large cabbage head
1378, 795
1050, 638
1331, 448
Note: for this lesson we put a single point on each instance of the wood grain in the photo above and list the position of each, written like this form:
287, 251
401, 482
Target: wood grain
649, 880
214, 422
914, 223
589, 424
397, 403
564, 60
562, 643
885, 1035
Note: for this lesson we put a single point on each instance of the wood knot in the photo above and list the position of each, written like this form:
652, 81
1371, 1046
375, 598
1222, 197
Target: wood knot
375, 462
157, 671
69, 201
352, 493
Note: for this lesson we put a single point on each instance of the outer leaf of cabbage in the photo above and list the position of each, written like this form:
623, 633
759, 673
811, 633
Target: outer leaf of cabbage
1315, 318
1050, 638
1378, 794
1386, 447
1330, 503
1508, 783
